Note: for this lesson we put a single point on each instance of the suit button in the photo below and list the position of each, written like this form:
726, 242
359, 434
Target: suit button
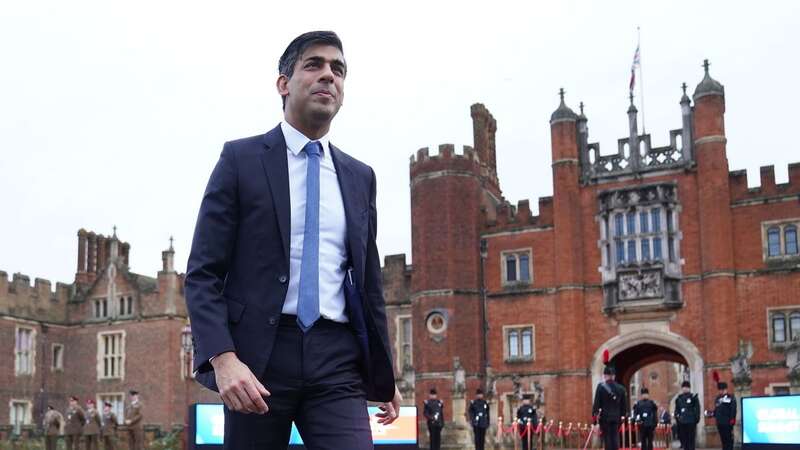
283, 279
273, 321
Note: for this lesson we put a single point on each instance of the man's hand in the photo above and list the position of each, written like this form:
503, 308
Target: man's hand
239, 388
390, 410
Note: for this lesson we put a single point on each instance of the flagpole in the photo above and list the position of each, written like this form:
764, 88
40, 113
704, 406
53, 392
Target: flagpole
641, 78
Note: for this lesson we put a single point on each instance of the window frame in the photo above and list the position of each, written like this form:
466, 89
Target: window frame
56, 363
29, 355
773, 319
28, 414
399, 345
780, 240
99, 398
101, 356
519, 331
786, 229
516, 254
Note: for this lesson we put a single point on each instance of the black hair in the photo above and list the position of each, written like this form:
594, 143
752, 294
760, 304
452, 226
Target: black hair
299, 45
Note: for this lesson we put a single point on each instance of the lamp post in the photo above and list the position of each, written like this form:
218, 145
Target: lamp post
484, 253
186, 369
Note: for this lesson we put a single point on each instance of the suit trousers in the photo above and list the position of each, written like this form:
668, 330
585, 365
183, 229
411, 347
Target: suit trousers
135, 439
610, 435
435, 433
646, 435
314, 380
108, 442
726, 436
51, 442
92, 441
480, 437
73, 441
686, 433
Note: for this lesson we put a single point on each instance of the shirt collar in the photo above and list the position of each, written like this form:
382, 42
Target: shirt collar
295, 140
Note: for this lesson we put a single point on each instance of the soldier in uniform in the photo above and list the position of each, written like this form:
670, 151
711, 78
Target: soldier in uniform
526, 413
725, 415
434, 413
687, 415
52, 427
133, 419
479, 418
645, 413
91, 430
74, 423
608, 408
109, 430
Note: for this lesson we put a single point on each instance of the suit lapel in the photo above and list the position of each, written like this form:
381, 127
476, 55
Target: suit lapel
276, 167
347, 185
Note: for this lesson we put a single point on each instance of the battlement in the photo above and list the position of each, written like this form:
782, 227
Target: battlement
446, 160
446, 151
767, 188
508, 216
20, 287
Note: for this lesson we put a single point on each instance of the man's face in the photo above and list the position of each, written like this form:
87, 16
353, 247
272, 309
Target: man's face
106, 409
73, 402
315, 91
526, 401
608, 377
685, 390
645, 396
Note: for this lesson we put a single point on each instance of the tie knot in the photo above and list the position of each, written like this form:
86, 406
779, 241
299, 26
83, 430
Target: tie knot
313, 148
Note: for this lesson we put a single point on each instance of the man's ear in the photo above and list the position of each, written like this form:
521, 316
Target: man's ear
282, 85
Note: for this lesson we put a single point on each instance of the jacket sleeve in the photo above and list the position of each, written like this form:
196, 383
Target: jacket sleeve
696, 407
373, 276
209, 259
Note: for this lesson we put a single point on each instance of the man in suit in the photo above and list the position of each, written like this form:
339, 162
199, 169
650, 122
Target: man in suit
133, 419
52, 427
284, 280
434, 415
479, 418
608, 408
687, 415
74, 423
109, 430
91, 430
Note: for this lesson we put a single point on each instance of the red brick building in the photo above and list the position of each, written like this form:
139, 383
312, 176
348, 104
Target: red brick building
659, 254
109, 331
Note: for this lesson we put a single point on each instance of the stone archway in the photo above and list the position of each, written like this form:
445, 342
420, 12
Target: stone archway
636, 349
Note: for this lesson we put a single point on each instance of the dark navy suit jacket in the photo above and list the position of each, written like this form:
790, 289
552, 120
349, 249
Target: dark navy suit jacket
238, 269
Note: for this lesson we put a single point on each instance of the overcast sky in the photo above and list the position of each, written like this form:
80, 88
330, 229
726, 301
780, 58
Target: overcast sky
114, 113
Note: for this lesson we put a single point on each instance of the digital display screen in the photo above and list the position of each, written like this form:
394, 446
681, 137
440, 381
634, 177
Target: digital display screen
210, 427
771, 420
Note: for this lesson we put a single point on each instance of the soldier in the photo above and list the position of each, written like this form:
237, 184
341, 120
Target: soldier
526, 413
609, 406
645, 413
109, 430
133, 419
479, 418
434, 413
724, 413
91, 429
687, 415
52, 427
74, 423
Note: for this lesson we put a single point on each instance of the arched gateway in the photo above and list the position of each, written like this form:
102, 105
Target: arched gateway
636, 349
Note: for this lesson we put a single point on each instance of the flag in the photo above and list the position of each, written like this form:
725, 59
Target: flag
636, 62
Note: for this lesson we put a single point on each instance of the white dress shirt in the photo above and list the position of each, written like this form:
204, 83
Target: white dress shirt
332, 227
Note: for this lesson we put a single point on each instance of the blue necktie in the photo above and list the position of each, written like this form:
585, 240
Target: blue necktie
308, 292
